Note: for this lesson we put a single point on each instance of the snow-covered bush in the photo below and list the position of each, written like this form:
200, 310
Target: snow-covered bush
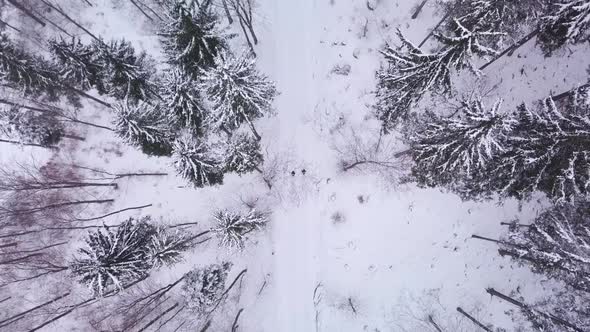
203, 287
232, 228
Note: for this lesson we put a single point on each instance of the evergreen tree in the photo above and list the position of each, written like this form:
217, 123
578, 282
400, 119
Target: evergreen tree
183, 100
127, 74
77, 63
203, 287
30, 127
191, 38
506, 16
115, 257
232, 228
242, 154
25, 72
412, 73
144, 126
567, 21
556, 244
167, 246
238, 92
548, 152
197, 161
533, 150
451, 151
566, 306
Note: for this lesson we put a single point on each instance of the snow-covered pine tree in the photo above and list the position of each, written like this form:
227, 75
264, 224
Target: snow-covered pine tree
203, 287
547, 152
238, 92
197, 161
30, 127
144, 126
555, 244
115, 257
411, 73
25, 72
242, 154
183, 100
450, 151
167, 246
563, 311
232, 227
567, 21
191, 38
506, 16
127, 74
77, 64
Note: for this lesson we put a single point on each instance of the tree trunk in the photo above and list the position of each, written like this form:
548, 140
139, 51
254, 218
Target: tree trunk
512, 48
569, 93
519, 304
10, 26
26, 11
72, 20
151, 10
51, 147
234, 326
74, 137
54, 113
431, 320
442, 20
419, 9
475, 321
141, 10
59, 205
230, 20
158, 318
113, 213
9, 320
241, 21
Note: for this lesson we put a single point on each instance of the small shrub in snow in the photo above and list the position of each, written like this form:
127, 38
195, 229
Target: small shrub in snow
203, 287
338, 218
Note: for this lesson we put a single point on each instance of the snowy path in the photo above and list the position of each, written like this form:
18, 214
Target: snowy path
295, 267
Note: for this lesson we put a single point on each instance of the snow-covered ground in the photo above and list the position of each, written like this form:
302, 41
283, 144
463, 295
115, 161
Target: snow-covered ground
345, 251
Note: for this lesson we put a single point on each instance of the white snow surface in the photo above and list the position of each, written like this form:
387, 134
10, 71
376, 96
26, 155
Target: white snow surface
327, 261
